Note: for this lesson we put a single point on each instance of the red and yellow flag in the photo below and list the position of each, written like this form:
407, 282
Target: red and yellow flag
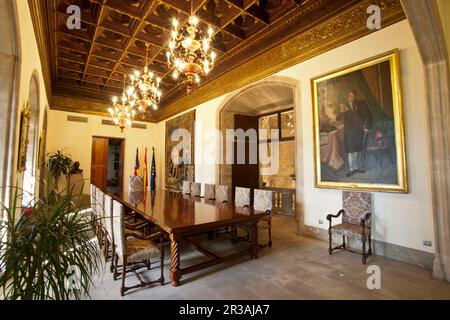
145, 171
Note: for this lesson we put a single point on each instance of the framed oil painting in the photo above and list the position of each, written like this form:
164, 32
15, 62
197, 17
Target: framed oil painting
176, 173
359, 137
25, 118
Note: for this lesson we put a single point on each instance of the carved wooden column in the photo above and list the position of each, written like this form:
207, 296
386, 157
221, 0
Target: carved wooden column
425, 22
175, 273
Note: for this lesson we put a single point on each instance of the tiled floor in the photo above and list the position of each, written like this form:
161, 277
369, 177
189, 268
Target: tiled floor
295, 268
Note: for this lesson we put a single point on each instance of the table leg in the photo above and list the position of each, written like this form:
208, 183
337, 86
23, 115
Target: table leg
175, 273
254, 245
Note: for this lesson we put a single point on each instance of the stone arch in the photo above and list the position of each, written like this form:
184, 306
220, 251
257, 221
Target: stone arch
9, 78
224, 121
30, 175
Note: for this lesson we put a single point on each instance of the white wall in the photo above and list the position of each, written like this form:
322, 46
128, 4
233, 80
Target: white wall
401, 219
30, 63
75, 139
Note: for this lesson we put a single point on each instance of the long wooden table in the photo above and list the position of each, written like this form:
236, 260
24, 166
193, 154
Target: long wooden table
181, 216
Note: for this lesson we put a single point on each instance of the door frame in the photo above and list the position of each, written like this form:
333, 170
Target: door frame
122, 159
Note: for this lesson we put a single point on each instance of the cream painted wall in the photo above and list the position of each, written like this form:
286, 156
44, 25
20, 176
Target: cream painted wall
30, 63
401, 219
75, 139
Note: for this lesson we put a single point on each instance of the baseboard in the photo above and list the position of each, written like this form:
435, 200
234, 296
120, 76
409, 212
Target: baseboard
392, 251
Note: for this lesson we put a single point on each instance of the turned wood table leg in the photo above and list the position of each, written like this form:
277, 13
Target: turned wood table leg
254, 246
175, 272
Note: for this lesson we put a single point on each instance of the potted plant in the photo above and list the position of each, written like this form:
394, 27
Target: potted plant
59, 164
48, 252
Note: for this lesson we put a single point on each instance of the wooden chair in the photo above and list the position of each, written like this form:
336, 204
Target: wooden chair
222, 194
356, 222
263, 201
196, 189
210, 192
108, 228
134, 250
242, 197
100, 215
136, 184
186, 187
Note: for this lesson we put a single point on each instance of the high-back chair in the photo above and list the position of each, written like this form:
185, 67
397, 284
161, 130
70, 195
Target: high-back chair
263, 201
186, 187
134, 250
356, 222
242, 197
196, 189
210, 192
222, 194
136, 184
107, 223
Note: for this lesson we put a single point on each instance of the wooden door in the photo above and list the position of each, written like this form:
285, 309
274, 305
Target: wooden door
99, 163
245, 175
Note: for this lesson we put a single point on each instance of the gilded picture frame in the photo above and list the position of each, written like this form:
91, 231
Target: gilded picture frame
25, 118
359, 130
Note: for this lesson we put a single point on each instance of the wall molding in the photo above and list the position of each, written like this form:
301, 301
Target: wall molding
411, 256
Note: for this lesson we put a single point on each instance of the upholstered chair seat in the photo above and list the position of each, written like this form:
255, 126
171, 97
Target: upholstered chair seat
356, 222
140, 250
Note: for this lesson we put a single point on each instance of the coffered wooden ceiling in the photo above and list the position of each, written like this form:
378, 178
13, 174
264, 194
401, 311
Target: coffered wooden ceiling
87, 66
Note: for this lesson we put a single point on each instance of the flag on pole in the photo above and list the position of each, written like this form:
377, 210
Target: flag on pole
137, 166
153, 179
145, 171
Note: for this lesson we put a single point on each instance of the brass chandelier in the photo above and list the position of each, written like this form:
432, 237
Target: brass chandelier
189, 54
144, 90
123, 110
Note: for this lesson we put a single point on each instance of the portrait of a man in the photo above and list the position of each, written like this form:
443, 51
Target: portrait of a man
359, 138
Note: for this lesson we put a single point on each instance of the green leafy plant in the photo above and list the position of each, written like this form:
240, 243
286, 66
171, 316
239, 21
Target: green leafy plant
47, 251
59, 164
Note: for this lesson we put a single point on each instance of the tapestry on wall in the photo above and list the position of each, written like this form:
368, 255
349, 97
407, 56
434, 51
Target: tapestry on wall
180, 137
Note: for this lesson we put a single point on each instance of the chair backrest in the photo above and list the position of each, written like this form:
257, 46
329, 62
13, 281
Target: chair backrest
222, 194
196, 189
100, 203
186, 187
210, 191
108, 215
119, 229
242, 197
136, 184
263, 200
356, 205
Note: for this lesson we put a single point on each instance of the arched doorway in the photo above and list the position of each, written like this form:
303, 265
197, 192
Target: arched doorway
30, 174
9, 71
266, 105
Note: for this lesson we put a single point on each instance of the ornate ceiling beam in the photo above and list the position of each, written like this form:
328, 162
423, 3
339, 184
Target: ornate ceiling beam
348, 26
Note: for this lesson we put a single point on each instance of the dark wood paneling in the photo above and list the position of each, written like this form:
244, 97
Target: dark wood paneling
99, 162
245, 175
